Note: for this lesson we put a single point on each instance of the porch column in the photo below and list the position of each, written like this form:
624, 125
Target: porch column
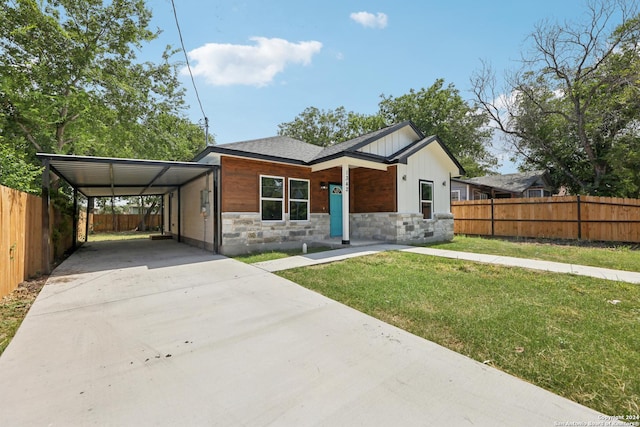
345, 204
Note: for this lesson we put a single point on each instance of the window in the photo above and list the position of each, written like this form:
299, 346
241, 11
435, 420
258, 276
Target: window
271, 198
298, 199
455, 195
478, 195
426, 199
536, 192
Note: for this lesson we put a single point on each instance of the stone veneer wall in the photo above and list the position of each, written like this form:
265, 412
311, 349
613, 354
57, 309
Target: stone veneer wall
244, 232
401, 227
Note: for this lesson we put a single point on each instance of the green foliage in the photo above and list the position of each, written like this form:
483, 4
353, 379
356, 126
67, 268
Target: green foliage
328, 127
440, 110
437, 110
16, 172
71, 83
576, 104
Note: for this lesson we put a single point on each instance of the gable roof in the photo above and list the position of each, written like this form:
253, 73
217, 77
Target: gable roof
289, 150
276, 148
513, 182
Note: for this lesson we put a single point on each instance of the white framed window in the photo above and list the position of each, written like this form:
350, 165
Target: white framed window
535, 192
426, 199
298, 199
479, 195
455, 195
271, 198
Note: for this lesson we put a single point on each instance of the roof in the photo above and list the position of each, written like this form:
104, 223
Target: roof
106, 176
513, 182
290, 150
277, 148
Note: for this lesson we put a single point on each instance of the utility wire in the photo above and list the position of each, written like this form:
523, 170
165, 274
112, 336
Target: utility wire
206, 119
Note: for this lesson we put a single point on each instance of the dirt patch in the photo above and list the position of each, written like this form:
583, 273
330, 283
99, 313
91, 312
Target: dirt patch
14, 307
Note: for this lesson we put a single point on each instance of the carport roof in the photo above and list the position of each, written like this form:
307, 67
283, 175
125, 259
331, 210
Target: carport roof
105, 176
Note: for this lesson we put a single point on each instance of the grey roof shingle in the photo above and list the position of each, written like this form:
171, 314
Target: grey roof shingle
282, 147
514, 182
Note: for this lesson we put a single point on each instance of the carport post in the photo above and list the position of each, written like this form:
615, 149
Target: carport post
76, 217
46, 240
179, 219
90, 202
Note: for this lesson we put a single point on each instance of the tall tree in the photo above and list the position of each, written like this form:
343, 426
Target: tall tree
328, 127
573, 107
71, 84
436, 110
440, 110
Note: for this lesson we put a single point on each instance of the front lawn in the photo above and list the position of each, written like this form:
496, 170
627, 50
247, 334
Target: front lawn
575, 336
618, 257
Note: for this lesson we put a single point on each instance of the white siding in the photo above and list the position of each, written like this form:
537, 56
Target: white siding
391, 143
430, 164
193, 224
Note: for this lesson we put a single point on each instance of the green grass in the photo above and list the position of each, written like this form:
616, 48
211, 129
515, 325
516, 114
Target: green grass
270, 256
123, 235
618, 257
558, 331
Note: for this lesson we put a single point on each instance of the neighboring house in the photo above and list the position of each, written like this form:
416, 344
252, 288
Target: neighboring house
526, 184
391, 185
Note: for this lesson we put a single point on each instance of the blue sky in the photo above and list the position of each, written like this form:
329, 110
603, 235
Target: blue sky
259, 63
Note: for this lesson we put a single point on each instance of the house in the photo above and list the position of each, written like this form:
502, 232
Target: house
525, 184
391, 185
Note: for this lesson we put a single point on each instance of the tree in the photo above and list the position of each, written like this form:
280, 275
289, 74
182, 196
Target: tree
437, 110
573, 107
71, 84
328, 127
440, 110
16, 172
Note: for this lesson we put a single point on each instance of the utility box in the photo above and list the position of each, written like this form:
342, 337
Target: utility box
205, 205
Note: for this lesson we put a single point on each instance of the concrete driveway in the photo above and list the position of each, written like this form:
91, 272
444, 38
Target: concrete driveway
139, 333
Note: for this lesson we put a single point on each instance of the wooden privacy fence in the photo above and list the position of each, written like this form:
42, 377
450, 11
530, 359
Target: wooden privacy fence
567, 217
120, 222
21, 239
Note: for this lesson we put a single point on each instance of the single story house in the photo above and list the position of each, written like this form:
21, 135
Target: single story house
391, 185
525, 184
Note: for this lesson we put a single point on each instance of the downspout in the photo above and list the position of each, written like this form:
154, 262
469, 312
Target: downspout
217, 209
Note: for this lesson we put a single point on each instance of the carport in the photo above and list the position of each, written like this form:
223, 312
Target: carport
117, 177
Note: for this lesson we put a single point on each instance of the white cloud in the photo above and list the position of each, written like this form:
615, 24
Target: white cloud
370, 20
253, 65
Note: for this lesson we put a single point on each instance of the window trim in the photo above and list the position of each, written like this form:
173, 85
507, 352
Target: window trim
282, 199
459, 193
539, 190
307, 200
421, 201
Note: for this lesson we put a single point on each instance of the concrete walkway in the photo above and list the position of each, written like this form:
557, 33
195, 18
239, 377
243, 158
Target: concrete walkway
156, 333
556, 267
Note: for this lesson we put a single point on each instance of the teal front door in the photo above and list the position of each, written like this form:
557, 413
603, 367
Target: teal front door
335, 210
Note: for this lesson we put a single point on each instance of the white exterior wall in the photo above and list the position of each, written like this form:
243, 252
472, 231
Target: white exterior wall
195, 228
429, 164
391, 144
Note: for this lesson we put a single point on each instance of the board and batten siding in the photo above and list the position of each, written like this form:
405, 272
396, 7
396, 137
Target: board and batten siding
429, 164
391, 143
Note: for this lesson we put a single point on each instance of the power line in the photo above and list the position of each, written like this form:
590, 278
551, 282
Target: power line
206, 119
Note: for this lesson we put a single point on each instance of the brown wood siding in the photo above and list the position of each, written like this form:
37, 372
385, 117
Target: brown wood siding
320, 198
241, 186
373, 190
